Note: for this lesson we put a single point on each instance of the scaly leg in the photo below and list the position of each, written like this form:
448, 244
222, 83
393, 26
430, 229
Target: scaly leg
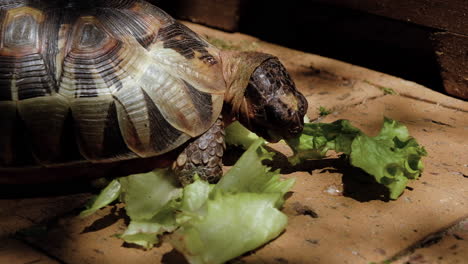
203, 156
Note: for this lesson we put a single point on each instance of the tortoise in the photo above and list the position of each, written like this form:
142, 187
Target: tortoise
85, 84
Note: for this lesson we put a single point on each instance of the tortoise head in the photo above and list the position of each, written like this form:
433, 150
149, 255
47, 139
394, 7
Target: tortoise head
266, 100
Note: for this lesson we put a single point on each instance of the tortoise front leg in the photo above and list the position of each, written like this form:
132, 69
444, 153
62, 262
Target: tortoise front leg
203, 156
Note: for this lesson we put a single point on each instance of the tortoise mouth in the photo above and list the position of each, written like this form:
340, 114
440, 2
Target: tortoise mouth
273, 137
285, 133
274, 132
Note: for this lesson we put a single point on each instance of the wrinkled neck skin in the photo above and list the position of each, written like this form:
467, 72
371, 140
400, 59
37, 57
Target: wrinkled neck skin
238, 66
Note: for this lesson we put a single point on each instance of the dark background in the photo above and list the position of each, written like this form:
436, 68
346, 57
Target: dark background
425, 41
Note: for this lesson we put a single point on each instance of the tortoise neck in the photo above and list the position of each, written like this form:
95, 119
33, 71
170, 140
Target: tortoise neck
238, 66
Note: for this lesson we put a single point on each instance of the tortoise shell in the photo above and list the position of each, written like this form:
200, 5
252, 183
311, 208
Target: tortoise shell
100, 81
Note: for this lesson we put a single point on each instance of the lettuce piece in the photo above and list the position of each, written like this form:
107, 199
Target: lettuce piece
143, 234
146, 233
318, 138
146, 194
238, 135
392, 158
240, 214
107, 196
195, 195
151, 200
228, 226
250, 175
242, 206
247, 168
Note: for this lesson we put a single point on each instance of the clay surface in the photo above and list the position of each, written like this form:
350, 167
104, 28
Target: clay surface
332, 217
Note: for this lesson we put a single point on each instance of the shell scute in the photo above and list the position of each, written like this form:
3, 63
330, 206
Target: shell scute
129, 23
122, 80
91, 37
23, 72
181, 51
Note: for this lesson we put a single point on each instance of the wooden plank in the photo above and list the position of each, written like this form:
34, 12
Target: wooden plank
387, 45
441, 14
445, 15
452, 54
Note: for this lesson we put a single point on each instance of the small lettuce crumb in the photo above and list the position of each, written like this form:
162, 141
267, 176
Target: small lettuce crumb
323, 111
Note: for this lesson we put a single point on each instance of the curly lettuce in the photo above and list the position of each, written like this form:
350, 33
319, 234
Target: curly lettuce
393, 157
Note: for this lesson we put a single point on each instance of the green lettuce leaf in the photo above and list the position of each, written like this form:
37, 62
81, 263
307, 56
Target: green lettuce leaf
250, 175
392, 158
151, 200
242, 206
146, 194
238, 135
146, 233
195, 195
107, 196
318, 138
143, 234
228, 226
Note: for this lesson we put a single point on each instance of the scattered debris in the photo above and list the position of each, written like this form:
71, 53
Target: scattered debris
281, 261
455, 230
388, 90
313, 241
437, 122
381, 251
334, 190
385, 90
323, 111
301, 209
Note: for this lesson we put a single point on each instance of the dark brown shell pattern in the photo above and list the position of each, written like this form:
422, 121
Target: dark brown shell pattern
100, 81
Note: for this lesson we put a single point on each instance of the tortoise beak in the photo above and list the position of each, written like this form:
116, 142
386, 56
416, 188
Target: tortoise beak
273, 137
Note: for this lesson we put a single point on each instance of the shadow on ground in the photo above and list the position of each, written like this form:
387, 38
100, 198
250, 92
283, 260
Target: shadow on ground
357, 184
